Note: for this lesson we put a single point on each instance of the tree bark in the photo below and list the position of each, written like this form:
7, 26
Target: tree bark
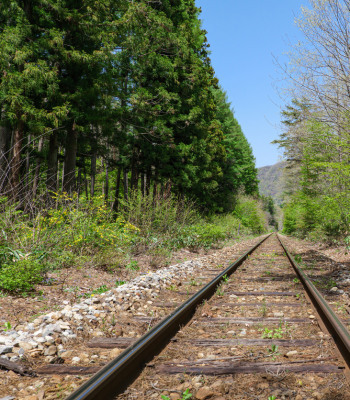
52, 178
117, 189
125, 182
93, 166
86, 185
5, 140
79, 182
148, 182
16, 160
106, 184
69, 182
155, 184
37, 167
27, 180
142, 176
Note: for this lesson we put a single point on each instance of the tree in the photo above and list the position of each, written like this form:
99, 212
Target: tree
239, 171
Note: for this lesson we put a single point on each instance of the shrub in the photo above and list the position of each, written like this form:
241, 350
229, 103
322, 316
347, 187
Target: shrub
160, 216
317, 218
21, 276
199, 235
250, 212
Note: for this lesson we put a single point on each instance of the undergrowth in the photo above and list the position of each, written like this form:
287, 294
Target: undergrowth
76, 231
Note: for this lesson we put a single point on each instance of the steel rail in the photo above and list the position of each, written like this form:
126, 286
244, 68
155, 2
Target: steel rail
117, 375
334, 326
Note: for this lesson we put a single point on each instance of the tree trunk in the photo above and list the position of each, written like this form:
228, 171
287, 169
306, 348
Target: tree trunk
142, 176
69, 183
37, 167
58, 175
148, 182
106, 184
125, 182
168, 189
52, 177
79, 182
86, 185
5, 139
16, 160
117, 189
93, 167
27, 180
155, 183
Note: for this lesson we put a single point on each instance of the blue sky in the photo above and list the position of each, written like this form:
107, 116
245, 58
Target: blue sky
244, 37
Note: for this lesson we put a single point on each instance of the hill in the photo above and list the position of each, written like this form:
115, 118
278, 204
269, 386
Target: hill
271, 181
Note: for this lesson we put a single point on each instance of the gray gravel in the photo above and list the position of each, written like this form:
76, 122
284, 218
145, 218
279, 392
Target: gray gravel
40, 337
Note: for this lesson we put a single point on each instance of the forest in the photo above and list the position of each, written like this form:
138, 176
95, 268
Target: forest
316, 123
115, 135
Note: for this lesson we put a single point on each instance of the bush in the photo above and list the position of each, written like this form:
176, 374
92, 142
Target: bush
161, 216
21, 276
199, 235
250, 212
210, 233
316, 218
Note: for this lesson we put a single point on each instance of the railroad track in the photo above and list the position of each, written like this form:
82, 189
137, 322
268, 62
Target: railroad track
257, 330
261, 331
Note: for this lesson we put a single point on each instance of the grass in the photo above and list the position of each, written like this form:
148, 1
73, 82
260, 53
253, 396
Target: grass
263, 309
220, 291
324, 283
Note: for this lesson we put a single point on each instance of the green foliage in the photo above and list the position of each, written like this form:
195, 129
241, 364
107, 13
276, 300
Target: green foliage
132, 265
7, 326
159, 216
319, 192
185, 395
318, 217
200, 235
250, 212
270, 208
76, 230
21, 275
276, 333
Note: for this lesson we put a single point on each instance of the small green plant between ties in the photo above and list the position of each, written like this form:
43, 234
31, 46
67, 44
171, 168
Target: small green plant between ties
185, 396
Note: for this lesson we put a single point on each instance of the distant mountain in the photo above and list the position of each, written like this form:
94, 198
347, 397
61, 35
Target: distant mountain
271, 181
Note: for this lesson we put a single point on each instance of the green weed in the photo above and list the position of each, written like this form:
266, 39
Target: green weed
273, 351
7, 326
225, 278
185, 395
133, 265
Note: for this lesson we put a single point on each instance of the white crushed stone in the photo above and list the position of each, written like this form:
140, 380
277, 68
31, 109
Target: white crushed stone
63, 324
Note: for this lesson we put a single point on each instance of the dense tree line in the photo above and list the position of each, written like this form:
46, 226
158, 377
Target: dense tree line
114, 94
316, 140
